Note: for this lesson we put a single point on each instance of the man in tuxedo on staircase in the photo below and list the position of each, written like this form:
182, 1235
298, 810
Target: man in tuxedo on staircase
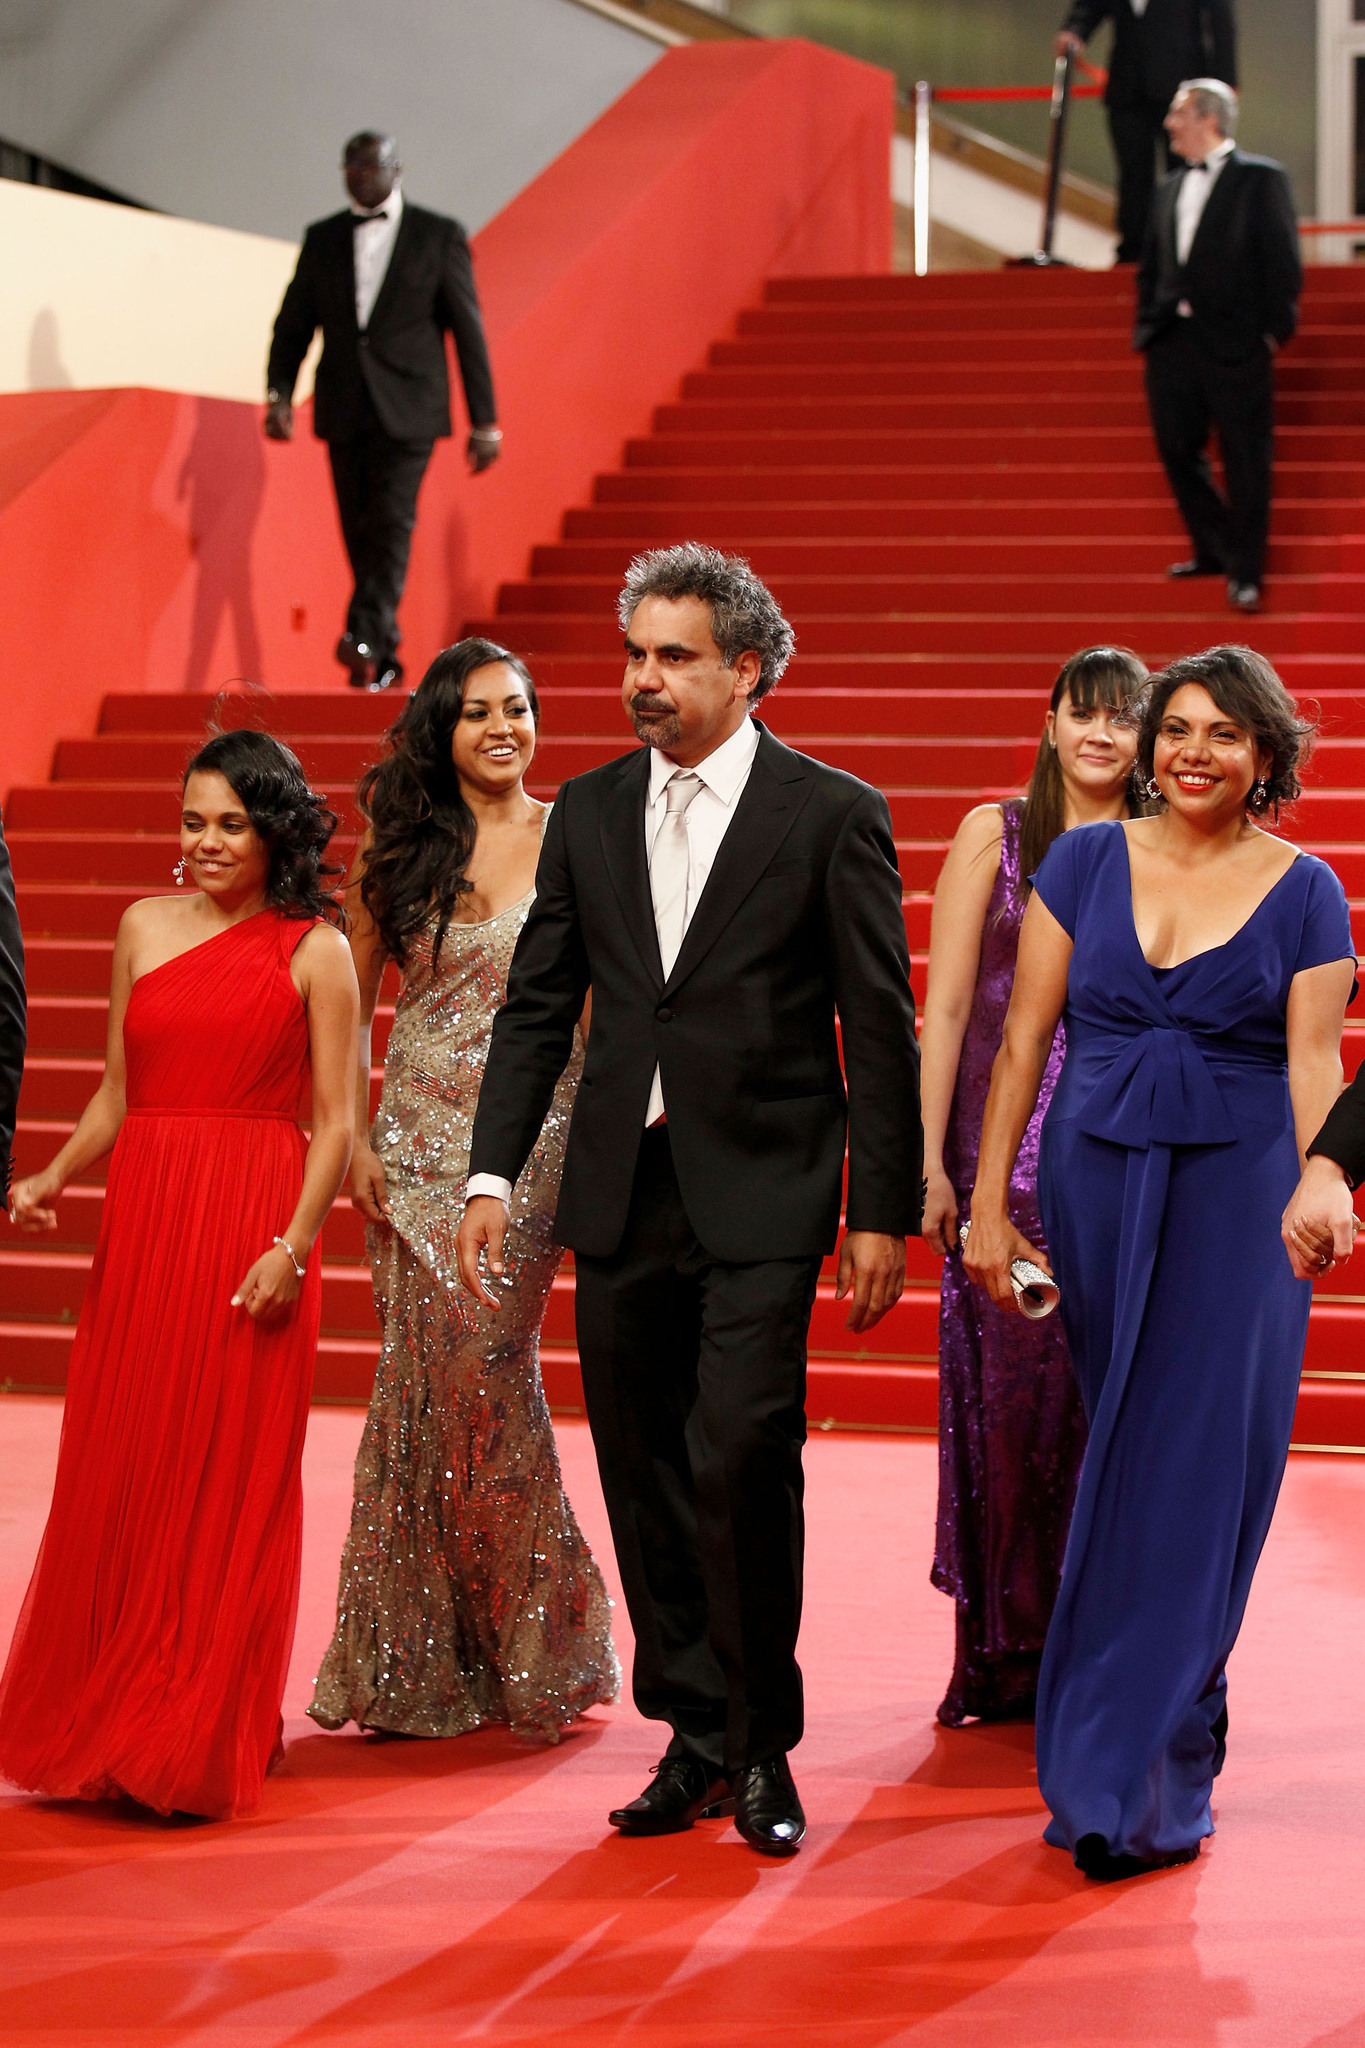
723, 899
386, 282
1218, 292
1156, 44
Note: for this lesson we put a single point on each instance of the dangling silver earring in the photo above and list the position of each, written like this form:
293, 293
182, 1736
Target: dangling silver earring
1154, 789
179, 872
1258, 795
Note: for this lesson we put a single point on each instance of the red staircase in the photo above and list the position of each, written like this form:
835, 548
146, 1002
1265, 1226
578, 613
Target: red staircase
950, 485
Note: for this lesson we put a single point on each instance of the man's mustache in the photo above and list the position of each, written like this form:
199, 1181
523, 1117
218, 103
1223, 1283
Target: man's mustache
639, 702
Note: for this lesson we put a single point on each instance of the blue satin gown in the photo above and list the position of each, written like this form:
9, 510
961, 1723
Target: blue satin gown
1167, 1157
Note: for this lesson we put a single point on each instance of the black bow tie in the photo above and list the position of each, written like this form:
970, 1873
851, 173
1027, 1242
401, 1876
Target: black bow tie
358, 220
1196, 167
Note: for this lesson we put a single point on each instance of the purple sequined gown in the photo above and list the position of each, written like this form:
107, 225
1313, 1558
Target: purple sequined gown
1011, 1426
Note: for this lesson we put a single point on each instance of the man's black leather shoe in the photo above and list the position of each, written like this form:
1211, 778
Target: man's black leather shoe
1178, 570
359, 659
1244, 597
684, 1790
767, 1810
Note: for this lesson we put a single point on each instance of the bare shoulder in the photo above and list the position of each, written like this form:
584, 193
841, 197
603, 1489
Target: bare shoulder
324, 952
159, 923
982, 829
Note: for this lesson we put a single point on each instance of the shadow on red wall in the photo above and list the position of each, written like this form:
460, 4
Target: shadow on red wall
151, 541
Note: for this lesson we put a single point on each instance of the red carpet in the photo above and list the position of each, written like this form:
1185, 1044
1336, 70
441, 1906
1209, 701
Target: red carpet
403, 1894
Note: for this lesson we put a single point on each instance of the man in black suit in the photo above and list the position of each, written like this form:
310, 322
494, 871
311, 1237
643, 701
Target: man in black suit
722, 898
1157, 43
386, 281
13, 1018
1218, 290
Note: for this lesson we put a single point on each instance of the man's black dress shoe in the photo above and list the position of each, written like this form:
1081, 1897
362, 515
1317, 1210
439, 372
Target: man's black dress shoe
684, 1790
388, 673
1093, 1856
360, 659
767, 1810
1179, 570
1244, 597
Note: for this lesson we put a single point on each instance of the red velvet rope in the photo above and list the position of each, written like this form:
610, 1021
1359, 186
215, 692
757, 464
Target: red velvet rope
1011, 92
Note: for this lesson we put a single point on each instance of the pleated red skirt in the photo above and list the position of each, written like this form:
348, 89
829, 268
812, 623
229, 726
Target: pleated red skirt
151, 1653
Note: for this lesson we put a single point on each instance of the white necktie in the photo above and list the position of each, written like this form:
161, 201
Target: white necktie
668, 868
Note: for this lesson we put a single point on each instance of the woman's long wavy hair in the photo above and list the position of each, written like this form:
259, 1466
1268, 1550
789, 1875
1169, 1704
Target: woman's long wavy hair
1096, 675
422, 830
293, 820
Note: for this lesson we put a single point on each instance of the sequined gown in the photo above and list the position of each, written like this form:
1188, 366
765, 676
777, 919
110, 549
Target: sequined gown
467, 1594
1011, 1425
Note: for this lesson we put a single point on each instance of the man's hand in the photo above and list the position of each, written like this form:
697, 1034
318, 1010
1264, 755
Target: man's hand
1319, 1224
1067, 41
279, 421
482, 1228
874, 1267
483, 449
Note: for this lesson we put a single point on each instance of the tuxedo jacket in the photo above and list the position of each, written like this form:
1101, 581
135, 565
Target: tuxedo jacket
1244, 273
13, 1017
800, 918
1154, 52
400, 359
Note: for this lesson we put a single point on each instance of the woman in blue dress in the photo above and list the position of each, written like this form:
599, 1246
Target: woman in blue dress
1204, 968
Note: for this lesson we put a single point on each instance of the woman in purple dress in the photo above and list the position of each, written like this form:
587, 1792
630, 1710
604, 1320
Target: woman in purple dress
1011, 1426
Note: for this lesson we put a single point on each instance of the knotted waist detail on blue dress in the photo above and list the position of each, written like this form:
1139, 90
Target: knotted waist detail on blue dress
1157, 1085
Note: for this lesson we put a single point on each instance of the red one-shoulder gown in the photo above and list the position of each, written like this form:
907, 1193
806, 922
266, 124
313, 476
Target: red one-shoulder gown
151, 1652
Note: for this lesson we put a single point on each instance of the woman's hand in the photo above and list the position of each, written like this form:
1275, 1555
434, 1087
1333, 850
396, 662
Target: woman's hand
1319, 1224
939, 1228
369, 1189
993, 1244
270, 1288
30, 1202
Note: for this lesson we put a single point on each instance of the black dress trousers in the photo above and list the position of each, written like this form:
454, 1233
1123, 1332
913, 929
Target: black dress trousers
694, 1372
377, 480
1189, 394
1137, 133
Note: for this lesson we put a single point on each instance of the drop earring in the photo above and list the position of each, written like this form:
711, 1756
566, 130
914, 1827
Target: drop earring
1258, 802
1154, 789
179, 872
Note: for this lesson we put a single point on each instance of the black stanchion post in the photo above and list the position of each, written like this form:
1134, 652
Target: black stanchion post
1056, 141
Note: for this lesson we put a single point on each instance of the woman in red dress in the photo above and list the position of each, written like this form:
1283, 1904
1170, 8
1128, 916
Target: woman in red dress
151, 1652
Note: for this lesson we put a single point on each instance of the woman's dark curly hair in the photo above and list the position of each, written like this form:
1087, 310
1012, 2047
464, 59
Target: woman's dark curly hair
422, 830
293, 820
1246, 689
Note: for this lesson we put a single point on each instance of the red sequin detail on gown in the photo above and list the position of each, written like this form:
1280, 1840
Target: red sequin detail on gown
151, 1653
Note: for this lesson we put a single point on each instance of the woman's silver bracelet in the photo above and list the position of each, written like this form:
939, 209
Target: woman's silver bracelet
285, 1246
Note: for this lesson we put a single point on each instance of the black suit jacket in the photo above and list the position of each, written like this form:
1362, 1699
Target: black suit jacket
1244, 273
400, 359
1342, 1137
13, 1017
1154, 53
800, 917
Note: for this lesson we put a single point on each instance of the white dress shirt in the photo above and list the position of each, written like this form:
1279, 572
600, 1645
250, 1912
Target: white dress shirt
723, 776
374, 240
1193, 197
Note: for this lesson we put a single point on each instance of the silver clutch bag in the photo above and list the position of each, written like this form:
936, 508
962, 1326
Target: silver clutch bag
1035, 1291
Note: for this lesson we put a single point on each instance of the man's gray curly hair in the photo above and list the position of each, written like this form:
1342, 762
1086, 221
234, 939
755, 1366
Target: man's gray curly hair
1213, 101
744, 613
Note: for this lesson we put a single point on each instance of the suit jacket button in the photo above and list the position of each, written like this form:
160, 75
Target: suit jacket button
665, 1015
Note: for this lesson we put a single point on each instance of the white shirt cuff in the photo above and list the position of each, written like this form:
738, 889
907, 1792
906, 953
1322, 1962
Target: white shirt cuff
489, 1184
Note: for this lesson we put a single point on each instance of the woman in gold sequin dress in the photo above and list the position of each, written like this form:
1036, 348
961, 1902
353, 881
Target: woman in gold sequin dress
468, 1594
